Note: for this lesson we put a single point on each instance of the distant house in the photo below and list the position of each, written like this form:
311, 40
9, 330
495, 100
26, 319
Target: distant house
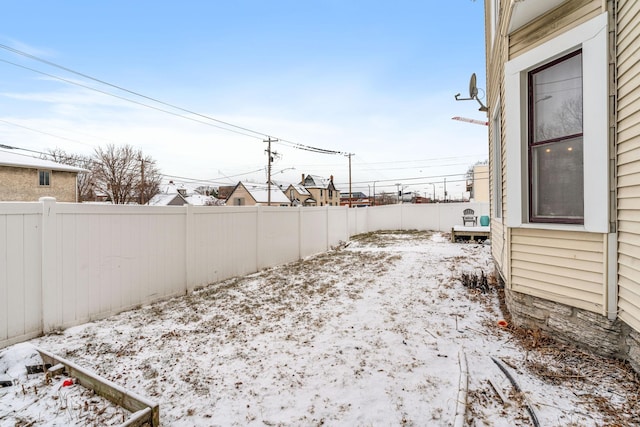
224, 191
162, 199
299, 195
170, 195
358, 199
173, 194
202, 200
25, 178
478, 183
248, 194
321, 189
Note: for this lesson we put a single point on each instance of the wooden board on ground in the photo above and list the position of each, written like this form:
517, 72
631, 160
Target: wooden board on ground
144, 411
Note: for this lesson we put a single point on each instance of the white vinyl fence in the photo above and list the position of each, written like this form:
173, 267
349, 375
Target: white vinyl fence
64, 264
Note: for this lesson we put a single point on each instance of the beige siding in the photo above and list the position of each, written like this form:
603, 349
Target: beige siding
241, 197
628, 160
496, 56
567, 267
549, 25
21, 185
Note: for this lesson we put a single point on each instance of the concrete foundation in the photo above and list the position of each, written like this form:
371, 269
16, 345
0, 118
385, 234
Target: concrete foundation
590, 331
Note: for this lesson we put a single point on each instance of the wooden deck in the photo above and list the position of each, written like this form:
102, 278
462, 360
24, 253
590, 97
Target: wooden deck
462, 233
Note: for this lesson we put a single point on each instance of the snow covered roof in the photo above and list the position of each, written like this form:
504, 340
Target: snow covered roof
200, 200
162, 199
315, 181
260, 193
173, 188
300, 189
24, 161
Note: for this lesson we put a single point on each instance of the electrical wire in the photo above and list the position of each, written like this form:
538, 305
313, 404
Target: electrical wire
86, 76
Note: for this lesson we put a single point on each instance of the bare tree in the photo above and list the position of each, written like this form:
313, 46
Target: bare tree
150, 184
124, 174
84, 180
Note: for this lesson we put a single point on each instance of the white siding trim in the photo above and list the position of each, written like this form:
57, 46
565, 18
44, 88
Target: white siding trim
592, 38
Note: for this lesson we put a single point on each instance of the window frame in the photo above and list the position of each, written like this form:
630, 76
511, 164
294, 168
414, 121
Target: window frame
44, 175
532, 144
592, 37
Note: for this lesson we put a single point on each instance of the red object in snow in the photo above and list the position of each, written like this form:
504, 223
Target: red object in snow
67, 383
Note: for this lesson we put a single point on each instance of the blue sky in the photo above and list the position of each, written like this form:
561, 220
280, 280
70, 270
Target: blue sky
372, 78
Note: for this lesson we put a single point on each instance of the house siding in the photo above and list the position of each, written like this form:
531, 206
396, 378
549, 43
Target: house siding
628, 161
495, 93
19, 184
563, 266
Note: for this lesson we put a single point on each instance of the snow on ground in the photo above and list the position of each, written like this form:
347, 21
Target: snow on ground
371, 333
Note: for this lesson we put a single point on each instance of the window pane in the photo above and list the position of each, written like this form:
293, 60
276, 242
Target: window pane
557, 100
557, 180
43, 178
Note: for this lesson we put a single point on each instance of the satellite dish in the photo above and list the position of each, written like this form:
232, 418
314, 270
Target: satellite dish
473, 89
473, 93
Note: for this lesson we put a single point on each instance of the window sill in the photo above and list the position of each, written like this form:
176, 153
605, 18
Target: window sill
554, 227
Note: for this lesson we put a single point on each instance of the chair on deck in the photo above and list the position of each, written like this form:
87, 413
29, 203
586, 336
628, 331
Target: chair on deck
468, 215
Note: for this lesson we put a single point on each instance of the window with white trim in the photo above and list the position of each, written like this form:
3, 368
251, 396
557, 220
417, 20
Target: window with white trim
562, 193
556, 184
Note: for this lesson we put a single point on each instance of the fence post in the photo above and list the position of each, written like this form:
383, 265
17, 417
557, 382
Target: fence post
259, 237
189, 250
51, 295
326, 226
299, 232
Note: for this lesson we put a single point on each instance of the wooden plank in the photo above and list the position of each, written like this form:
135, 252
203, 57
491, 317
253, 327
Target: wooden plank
107, 389
470, 234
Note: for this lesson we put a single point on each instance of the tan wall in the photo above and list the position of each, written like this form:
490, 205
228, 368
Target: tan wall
239, 193
563, 266
628, 161
497, 52
481, 183
324, 200
21, 184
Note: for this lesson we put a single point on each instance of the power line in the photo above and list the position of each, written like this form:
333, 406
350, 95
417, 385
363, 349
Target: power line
124, 99
258, 134
42, 132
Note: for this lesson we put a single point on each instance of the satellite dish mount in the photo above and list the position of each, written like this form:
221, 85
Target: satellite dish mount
473, 93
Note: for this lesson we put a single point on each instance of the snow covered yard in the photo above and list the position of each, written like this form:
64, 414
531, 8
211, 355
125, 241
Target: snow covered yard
373, 333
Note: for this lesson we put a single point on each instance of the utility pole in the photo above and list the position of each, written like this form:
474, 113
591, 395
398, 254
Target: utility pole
445, 190
350, 194
269, 161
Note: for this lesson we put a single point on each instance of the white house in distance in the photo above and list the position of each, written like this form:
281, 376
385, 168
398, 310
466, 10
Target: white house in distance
249, 193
